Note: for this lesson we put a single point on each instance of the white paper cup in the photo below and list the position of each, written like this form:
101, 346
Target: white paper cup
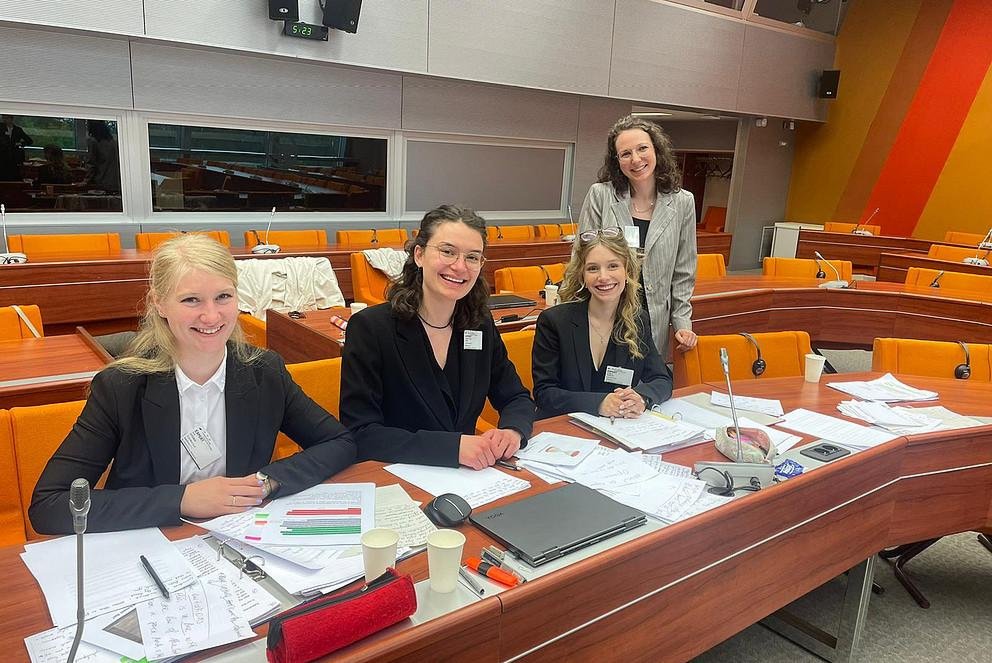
378, 551
551, 295
444, 556
814, 367
357, 306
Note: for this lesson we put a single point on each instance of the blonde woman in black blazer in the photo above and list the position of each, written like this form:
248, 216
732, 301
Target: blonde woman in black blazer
595, 353
417, 369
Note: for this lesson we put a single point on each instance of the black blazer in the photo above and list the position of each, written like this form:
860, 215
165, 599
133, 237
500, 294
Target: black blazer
562, 363
133, 420
393, 404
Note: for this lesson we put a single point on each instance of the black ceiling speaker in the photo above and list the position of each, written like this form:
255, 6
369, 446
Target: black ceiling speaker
284, 10
829, 81
342, 14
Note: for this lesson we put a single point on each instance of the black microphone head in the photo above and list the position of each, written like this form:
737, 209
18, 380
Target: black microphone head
79, 504
820, 274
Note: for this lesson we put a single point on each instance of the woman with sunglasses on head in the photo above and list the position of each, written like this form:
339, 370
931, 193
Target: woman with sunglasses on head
418, 368
187, 420
639, 188
595, 353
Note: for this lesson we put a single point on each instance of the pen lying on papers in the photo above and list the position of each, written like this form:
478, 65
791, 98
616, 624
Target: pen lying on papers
508, 465
151, 571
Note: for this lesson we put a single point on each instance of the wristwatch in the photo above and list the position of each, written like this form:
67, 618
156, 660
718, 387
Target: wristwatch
266, 483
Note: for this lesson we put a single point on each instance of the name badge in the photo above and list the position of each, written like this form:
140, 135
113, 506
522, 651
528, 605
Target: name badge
619, 375
473, 340
200, 447
633, 236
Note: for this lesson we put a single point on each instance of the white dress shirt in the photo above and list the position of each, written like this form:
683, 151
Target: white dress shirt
202, 406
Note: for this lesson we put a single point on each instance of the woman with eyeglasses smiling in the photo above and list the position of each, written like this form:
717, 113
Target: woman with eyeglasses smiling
594, 353
639, 191
418, 368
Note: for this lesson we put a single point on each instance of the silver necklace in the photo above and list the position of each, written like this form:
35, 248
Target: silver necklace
641, 211
602, 338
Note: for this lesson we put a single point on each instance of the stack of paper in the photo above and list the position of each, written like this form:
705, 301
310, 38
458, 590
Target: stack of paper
684, 410
649, 432
328, 514
836, 430
891, 418
886, 388
477, 487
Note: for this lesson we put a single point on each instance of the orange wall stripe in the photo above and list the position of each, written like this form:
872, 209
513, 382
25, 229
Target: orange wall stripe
941, 103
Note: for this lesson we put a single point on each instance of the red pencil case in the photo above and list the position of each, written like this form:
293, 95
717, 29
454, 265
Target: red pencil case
317, 628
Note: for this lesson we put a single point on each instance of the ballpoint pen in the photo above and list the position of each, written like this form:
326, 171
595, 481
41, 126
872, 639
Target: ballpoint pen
508, 465
151, 571
472, 582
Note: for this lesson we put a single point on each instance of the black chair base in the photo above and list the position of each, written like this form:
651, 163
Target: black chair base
902, 554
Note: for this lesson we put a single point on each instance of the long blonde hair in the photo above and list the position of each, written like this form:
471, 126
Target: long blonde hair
153, 349
628, 332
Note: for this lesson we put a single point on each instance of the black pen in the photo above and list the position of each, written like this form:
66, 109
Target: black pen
151, 571
508, 465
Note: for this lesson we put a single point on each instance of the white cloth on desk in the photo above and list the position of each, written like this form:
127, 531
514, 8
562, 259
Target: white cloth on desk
286, 284
388, 261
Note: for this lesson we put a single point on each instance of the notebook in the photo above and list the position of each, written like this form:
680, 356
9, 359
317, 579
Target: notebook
544, 527
509, 301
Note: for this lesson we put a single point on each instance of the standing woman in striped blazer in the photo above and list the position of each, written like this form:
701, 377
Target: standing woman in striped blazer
639, 188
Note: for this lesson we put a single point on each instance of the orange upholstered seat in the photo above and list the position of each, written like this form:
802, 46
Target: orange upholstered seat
367, 282
510, 233
710, 265
288, 238
321, 381
957, 281
518, 347
383, 237
38, 432
254, 330
556, 271
804, 268
930, 358
784, 354
45, 246
714, 219
12, 527
554, 230
150, 241
12, 327
838, 227
957, 237
523, 279
952, 253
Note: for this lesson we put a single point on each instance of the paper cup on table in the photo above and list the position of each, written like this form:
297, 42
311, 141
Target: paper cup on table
444, 556
378, 551
551, 295
357, 306
814, 367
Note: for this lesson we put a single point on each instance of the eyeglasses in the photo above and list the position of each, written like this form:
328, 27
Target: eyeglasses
641, 150
450, 255
610, 233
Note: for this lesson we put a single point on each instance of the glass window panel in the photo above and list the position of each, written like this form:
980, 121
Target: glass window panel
59, 164
214, 169
820, 15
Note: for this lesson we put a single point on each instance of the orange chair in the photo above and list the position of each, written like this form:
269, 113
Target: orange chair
956, 237
556, 271
12, 327
150, 241
367, 282
784, 354
805, 268
710, 265
937, 359
953, 253
838, 227
254, 330
97, 245
554, 230
957, 281
518, 348
321, 381
521, 279
12, 527
295, 239
38, 431
383, 237
510, 233
715, 219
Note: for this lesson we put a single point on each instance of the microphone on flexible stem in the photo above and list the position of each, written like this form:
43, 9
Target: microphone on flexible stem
858, 230
820, 274
936, 280
839, 282
499, 232
8, 258
982, 261
725, 365
79, 507
266, 247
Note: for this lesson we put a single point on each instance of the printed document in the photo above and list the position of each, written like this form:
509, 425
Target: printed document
477, 487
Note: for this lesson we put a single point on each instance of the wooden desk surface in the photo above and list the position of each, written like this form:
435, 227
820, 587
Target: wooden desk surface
35, 359
862, 250
673, 593
894, 266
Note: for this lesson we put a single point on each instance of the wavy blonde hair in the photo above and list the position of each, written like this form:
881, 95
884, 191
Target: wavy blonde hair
153, 349
628, 331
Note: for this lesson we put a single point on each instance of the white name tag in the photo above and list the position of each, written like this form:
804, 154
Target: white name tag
200, 447
633, 236
619, 375
473, 340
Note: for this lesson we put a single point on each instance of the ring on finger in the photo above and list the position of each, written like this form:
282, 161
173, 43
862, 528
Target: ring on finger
234, 500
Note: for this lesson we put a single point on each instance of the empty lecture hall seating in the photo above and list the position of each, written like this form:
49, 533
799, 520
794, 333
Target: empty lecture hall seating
12, 527
527, 279
382, 237
518, 348
958, 281
952, 253
936, 359
37, 247
957, 237
510, 233
294, 239
838, 227
805, 268
554, 230
710, 265
321, 381
12, 327
784, 354
367, 283
150, 241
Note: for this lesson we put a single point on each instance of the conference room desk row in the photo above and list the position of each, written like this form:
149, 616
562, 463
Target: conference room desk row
893, 267
678, 590
106, 295
863, 251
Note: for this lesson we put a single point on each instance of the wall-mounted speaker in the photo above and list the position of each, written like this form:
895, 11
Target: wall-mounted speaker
284, 10
342, 14
829, 81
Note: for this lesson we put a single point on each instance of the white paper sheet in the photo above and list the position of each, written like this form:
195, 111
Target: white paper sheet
53, 645
767, 406
835, 430
557, 449
477, 487
886, 388
396, 511
649, 431
665, 468
328, 514
665, 498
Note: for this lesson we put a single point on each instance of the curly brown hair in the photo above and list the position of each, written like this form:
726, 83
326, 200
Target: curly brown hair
407, 292
667, 177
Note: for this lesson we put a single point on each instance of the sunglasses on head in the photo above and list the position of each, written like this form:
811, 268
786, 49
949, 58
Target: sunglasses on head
610, 233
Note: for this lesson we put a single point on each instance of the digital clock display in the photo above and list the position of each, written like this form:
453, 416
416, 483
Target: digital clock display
305, 31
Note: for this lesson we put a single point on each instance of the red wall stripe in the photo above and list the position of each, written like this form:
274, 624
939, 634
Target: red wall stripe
941, 103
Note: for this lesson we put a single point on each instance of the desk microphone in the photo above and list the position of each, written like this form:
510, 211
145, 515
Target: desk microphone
547, 277
8, 258
79, 507
936, 280
839, 282
499, 232
983, 260
820, 274
864, 231
266, 247
571, 237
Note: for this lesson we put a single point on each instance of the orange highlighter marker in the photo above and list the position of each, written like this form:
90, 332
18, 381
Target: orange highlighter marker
492, 572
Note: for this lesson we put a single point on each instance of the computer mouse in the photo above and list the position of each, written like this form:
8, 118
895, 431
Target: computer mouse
448, 510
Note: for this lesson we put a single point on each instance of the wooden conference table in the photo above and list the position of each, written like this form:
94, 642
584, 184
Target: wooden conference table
893, 267
673, 593
863, 251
